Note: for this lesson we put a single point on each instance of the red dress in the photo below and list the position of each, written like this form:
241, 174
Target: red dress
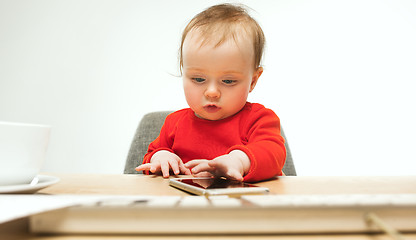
254, 130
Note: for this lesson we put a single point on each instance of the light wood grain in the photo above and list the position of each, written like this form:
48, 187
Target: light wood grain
156, 185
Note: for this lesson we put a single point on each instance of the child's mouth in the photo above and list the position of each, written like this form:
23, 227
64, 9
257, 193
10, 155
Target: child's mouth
211, 108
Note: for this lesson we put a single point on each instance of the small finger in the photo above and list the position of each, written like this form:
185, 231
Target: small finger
184, 169
174, 166
143, 167
164, 167
193, 163
154, 167
213, 164
234, 174
204, 174
203, 167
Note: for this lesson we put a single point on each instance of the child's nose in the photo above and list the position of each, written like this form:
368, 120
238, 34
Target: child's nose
212, 91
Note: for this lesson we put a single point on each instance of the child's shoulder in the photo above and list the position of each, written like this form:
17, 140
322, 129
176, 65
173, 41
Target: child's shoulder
176, 117
257, 108
181, 111
179, 114
258, 112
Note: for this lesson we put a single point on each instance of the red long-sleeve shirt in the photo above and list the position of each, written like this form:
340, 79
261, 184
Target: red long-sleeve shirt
255, 130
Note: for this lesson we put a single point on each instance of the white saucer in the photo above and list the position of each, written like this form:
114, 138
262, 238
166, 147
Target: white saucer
43, 181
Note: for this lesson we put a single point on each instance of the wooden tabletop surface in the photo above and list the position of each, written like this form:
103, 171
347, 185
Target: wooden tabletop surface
132, 184
120, 184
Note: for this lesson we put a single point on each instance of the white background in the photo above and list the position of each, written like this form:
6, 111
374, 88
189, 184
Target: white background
340, 75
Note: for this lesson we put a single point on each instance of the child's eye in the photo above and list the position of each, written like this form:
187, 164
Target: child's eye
198, 80
229, 82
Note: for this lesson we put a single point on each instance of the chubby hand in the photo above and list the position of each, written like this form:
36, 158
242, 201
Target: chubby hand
233, 165
162, 162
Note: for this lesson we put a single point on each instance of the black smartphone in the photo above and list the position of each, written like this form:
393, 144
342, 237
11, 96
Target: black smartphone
216, 186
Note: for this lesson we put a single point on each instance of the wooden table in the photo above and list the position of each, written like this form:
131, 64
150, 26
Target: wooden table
156, 185
131, 184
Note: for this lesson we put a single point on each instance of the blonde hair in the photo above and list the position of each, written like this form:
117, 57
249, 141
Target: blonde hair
223, 22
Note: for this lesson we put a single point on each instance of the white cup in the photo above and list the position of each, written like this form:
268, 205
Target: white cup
22, 151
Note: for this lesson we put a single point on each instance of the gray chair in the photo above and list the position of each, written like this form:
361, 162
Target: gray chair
149, 129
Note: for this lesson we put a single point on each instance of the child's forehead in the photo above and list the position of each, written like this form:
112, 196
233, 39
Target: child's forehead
201, 38
232, 51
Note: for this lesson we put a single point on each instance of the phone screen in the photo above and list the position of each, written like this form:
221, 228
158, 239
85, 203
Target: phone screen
213, 183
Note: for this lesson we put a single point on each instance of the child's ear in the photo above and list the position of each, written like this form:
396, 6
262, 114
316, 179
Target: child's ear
255, 78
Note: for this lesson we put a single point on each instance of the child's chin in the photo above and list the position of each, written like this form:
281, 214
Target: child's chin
210, 117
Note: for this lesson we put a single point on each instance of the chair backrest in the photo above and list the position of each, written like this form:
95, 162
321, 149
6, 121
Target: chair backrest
148, 130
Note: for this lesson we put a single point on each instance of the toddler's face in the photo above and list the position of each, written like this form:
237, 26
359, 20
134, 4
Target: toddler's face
217, 80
